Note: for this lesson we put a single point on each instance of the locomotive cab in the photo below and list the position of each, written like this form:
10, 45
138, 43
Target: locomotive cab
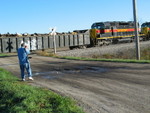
103, 33
145, 29
99, 28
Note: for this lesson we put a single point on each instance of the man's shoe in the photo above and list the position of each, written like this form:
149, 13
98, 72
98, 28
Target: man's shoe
23, 79
30, 78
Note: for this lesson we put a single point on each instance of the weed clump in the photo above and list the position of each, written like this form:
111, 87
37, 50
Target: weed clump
128, 54
45, 53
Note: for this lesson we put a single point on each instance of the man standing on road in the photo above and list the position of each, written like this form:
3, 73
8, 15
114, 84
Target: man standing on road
24, 62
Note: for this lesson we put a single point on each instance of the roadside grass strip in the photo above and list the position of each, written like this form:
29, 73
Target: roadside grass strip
19, 97
3, 55
106, 60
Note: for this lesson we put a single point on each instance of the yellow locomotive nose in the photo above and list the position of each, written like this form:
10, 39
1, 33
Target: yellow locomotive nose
93, 33
145, 30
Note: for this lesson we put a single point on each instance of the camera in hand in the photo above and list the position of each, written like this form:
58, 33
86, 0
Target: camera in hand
29, 57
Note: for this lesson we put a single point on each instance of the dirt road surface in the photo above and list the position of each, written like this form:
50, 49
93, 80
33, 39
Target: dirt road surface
98, 87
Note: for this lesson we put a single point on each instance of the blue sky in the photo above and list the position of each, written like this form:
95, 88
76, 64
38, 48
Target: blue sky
37, 16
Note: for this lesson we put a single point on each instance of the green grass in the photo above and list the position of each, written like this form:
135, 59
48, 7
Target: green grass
125, 56
18, 97
107, 60
1, 54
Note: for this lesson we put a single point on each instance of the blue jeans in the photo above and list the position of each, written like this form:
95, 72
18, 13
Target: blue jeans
28, 69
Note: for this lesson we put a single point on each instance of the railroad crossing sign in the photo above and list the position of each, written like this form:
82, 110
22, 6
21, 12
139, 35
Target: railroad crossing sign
53, 32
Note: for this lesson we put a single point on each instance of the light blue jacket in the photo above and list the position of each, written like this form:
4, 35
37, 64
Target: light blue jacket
23, 55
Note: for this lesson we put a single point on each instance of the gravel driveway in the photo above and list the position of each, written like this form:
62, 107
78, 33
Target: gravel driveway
98, 87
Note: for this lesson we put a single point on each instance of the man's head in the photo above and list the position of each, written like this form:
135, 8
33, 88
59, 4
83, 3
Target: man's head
23, 44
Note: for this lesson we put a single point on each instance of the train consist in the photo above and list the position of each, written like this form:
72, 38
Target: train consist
100, 33
105, 33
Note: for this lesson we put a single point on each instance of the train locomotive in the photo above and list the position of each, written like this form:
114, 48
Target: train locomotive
100, 33
104, 33
113, 32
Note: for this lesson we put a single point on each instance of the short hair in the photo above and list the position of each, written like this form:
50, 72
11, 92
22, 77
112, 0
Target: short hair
23, 44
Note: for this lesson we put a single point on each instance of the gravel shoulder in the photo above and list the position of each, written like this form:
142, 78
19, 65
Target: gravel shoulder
98, 87
111, 49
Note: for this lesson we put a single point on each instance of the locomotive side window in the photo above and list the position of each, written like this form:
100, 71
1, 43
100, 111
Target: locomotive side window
124, 24
146, 25
98, 26
107, 27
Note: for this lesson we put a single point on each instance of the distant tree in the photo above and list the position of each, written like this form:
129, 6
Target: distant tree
7, 34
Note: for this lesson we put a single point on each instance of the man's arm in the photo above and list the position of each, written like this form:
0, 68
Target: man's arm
27, 50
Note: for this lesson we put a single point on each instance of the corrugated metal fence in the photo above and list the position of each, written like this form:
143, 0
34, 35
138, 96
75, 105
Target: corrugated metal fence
11, 44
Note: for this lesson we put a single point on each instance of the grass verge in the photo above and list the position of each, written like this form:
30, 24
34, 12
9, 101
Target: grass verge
106, 60
18, 97
127, 56
1, 55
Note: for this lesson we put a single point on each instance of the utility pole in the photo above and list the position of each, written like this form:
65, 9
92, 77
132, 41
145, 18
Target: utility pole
136, 31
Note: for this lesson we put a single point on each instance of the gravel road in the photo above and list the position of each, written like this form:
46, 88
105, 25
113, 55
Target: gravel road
98, 87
